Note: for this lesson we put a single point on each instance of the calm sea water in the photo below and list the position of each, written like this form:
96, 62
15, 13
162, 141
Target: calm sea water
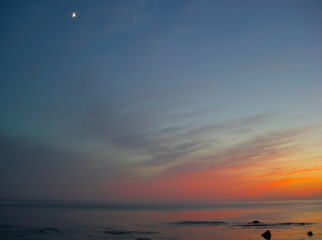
167, 220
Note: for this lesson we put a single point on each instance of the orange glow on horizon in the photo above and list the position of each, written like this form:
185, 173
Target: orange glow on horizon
227, 184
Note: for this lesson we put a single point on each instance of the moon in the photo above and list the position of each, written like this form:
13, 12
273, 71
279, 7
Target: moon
73, 15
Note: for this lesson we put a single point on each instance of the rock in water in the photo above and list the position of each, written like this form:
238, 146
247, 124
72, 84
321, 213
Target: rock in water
310, 233
267, 234
255, 222
49, 230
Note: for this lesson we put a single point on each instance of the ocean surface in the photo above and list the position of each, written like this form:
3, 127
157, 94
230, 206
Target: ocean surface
30, 219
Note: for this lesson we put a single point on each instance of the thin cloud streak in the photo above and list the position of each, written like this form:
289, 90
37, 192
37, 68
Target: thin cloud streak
258, 150
238, 169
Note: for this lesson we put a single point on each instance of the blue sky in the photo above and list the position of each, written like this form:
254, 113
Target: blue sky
135, 91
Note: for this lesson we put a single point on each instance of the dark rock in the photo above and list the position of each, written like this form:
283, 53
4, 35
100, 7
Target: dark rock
310, 233
267, 234
143, 239
255, 222
49, 230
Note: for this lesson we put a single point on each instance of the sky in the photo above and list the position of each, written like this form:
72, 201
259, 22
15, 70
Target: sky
161, 100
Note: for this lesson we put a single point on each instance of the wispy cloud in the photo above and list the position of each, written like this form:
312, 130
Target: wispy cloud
258, 150
242, 171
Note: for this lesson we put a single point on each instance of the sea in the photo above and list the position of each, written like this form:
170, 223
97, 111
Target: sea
40, 220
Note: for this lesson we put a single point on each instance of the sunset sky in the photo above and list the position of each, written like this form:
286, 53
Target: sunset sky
161, 100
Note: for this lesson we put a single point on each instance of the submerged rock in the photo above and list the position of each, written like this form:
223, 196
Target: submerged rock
255, 222
120, 232
260, 224
49, 230
199, 223
310, 233
267, 234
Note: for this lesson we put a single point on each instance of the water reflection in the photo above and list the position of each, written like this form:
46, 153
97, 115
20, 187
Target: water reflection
286, 220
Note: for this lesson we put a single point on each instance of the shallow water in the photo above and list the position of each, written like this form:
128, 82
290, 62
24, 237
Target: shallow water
168, 220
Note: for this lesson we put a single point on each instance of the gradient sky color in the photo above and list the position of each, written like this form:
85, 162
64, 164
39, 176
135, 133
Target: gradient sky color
161, 100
